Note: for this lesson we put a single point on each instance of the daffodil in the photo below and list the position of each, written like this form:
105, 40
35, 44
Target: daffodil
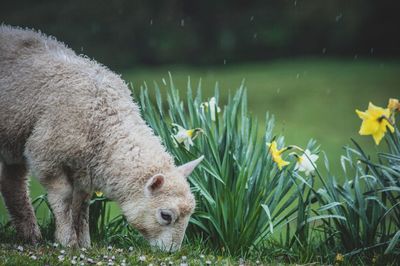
393, 105
375, 121
98, 193
339, 257
277, 154
306, 162
212, 106
185, 136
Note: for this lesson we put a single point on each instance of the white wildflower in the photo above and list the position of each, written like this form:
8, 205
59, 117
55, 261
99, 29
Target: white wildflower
33, 257
306, 162
20, 248
60, 258
142, 258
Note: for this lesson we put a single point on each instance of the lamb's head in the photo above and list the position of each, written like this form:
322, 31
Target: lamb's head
162, 210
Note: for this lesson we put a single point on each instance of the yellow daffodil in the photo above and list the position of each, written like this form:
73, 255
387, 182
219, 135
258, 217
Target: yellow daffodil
339, 257
306, 162
98, 193
212, 107
375, 121
276, 154
393, 105
185, 136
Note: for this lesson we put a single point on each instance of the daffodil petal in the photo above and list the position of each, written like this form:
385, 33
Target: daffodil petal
362, 115
369, 127
378, 136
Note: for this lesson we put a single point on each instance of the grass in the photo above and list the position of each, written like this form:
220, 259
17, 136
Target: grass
50, 253
310, 98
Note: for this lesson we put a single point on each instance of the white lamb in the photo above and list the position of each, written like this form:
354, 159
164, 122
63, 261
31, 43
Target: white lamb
73, 123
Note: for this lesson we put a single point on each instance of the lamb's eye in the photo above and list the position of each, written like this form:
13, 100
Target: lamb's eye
167, 217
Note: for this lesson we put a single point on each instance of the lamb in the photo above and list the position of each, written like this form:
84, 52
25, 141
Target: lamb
73, 124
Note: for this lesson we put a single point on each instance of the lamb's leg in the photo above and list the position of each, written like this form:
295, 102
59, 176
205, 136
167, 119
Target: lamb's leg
60, 191
16, 197
80, 208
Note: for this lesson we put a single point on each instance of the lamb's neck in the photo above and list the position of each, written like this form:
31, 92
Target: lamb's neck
128, 160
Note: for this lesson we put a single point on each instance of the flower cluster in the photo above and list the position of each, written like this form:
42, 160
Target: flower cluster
186, 136
376, 120
304, 162
212, 107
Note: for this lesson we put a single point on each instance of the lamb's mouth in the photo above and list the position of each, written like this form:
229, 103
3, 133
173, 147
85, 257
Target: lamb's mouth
157, 244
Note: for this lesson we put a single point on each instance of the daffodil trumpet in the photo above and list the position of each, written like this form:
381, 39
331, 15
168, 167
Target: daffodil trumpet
277, 154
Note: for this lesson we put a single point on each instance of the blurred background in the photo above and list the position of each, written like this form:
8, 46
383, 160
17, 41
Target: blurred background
311, 63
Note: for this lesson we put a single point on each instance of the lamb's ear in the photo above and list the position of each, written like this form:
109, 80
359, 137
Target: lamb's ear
155, 183
187, 168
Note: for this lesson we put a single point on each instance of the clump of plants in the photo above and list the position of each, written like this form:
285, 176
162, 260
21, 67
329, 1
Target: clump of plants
245, 190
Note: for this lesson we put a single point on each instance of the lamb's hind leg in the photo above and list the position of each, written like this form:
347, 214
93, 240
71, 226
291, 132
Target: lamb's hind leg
16, 197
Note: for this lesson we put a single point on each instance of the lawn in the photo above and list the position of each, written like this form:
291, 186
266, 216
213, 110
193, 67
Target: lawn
310, 98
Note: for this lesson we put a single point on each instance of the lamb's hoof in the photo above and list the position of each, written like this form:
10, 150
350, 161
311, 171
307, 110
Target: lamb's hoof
71, 242
32, 238
30, 235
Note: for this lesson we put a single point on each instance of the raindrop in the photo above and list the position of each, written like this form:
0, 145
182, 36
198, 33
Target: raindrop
182, 22
251, 18
298, 75
224, 61
151, 21
355, 56
255, 36
295, 2
278, 90
339, 17
371, 50
324, 50
163, 81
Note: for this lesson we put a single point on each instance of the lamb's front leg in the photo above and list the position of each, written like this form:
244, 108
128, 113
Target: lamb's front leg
60, 192
80, 209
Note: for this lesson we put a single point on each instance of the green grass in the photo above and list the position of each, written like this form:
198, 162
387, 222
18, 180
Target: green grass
139, 253
310, 98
